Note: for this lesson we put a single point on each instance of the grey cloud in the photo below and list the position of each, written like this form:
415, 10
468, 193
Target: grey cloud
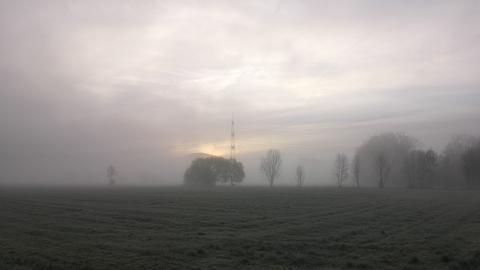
86, 84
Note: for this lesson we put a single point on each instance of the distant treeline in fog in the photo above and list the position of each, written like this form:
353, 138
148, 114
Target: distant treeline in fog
384, 160
395, 159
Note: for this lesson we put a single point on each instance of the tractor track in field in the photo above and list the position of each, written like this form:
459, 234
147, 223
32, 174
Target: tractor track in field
383, 228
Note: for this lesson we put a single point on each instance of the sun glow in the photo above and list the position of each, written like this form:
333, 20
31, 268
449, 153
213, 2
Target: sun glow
211, 149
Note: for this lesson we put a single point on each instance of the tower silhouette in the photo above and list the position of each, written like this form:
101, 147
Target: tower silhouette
232, 150
232, 140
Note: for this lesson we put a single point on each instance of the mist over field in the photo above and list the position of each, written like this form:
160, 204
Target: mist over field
272, 134
147, 85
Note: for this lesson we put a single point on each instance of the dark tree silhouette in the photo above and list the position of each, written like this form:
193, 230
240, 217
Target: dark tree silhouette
341, 169
270, 166
394, 147
410, 168
382, 167
206, 172
111, 174
300, 176
419, 168
430, 165
471, 166
356, 170
451, 162
232, 172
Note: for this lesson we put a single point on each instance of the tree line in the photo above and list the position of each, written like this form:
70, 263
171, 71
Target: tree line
396, 159
388, 159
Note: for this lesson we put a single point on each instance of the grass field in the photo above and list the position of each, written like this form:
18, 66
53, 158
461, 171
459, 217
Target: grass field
238, 228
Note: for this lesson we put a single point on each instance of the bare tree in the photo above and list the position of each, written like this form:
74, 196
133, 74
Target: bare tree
452, 163
341, 168
300, 176
431, 163
419, 168
270, 165
395, 146
356, 170
410, 168
382, 167
471, 166
111, 174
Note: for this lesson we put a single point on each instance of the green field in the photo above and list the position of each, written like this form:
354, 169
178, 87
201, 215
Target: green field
238, 228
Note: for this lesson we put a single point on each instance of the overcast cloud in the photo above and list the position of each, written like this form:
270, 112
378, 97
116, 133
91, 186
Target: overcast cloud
143, 84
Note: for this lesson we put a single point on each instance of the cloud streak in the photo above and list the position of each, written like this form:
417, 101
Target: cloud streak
86, 84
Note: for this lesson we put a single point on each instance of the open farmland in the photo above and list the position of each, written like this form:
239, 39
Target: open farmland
238, 228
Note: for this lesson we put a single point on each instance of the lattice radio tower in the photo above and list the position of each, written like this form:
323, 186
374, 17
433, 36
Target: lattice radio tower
232, 140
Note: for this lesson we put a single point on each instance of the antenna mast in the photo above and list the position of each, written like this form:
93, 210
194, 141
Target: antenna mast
232, 140
232, 149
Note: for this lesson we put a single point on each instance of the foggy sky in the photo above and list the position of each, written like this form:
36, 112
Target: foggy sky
143, 84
